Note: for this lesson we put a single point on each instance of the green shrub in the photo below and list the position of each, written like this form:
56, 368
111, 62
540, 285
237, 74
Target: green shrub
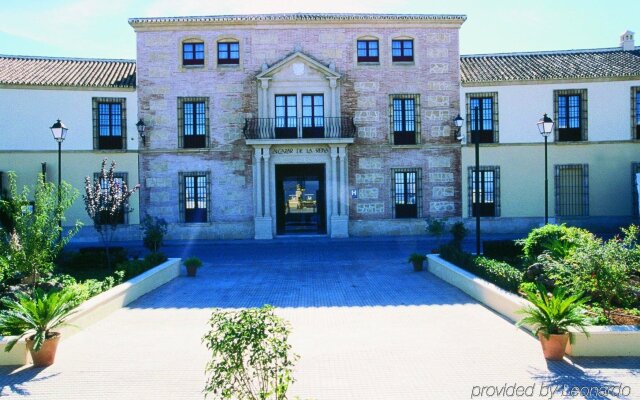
458, 231
456, 256
133, 268
250, 355
192, 262
499, 273
509, 251
558, 240
155, 258
153, 230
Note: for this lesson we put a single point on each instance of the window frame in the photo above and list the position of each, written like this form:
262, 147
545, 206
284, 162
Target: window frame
194, 217
494, 210
404, 137
108, 142
124, 177
368, 58
314, 129
635, 113
195, 61
563, 207
228, 60
568, 134
406, 208
485, 135
403, 57
185, 140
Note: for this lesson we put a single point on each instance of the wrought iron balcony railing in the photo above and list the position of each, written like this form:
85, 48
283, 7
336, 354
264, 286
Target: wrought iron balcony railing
299, 128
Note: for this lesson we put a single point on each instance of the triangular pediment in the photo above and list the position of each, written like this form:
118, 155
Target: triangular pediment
297, 63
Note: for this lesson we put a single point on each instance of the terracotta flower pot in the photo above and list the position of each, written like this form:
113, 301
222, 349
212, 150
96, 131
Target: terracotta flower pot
47, 353
191, 270
417, 265
554, 347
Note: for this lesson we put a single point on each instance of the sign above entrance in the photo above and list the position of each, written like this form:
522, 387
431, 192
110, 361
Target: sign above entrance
300, 150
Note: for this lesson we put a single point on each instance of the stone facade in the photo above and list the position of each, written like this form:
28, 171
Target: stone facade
363, 91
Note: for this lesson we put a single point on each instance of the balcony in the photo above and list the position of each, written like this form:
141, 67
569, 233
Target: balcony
322, 129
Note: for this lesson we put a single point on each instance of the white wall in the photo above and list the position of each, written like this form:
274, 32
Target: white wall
28, 114
520, 106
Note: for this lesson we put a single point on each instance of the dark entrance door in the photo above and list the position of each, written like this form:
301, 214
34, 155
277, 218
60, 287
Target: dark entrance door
300, 199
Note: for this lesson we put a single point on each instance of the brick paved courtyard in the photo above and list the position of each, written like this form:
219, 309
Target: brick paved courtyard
364, 324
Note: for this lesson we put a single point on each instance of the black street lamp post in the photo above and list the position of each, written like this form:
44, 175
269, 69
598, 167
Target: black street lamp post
475, 136
545, 126
59, 131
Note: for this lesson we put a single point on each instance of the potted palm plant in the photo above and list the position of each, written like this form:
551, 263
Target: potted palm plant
36, 317
417, 260
551, 317
192, 264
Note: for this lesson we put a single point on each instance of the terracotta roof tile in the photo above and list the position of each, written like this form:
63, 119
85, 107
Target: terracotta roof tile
556, 65
76, 72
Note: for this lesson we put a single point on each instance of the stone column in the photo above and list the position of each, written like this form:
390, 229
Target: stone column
333, 111
334, 181
257, 181
343, 180
263, 110
267, 182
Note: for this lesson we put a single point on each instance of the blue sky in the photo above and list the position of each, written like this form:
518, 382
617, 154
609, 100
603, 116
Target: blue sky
99, 28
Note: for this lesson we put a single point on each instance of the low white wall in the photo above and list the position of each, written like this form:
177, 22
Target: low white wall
101, 306
604, 341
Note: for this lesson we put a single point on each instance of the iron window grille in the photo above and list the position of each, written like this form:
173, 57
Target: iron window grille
121, 179
572, 190
402, 50
193, 53
487, 201
482, 117
194, 196
635, 113
286, 123
404, 114
570, 109
368, 51
193, 122
635, 169
229, 53
109, 123
406, 192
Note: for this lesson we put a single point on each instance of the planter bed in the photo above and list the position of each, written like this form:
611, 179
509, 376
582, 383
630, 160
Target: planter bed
604, 341
101, 305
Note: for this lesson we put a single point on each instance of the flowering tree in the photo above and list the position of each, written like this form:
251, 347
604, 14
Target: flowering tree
106, 200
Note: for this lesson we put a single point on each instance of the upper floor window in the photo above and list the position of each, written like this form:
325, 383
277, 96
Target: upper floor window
572, 190
194, 196
402, 50
407, 192
193, 122
286, 116
312, 116
571, 115
482, 117
109, 123
405, 118
192, 53
635, 113
484, 201
228, 52
368, 51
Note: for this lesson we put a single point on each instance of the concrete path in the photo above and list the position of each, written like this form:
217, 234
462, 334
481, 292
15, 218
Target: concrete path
365, 326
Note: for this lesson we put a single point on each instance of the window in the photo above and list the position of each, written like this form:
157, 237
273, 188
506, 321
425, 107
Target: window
406, 189
109, 123
120, 180
635, 187
482, 117
229, 53
486, 201
194, 196
405, 118
635, 113
312, 116
402, 50
572, 190
192, 53
368, 51
286, 116
570, 108
193, 122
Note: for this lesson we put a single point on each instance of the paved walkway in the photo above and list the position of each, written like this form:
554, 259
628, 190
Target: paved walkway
366, 327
